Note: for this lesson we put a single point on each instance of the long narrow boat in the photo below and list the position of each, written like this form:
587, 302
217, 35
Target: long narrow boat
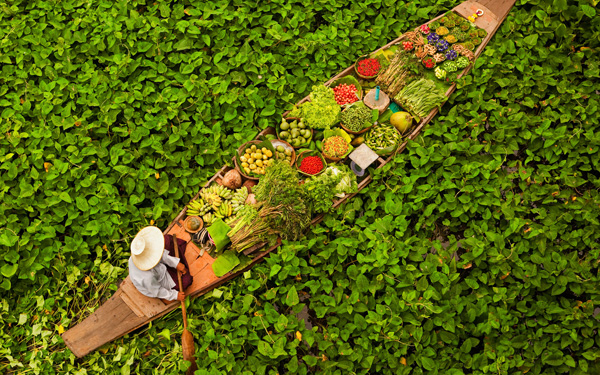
128, 309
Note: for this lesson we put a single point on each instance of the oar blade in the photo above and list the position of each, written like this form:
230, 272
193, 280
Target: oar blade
189, 350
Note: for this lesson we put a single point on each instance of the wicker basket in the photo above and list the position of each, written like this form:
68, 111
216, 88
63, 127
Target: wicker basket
353, 132
240, 151
288, 119
364, 58
287, 146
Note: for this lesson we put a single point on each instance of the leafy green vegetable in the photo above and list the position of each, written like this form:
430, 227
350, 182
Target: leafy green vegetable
322, 111
225, 262
336, 180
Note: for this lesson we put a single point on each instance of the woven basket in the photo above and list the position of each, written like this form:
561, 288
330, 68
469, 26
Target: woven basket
306, 153
364, 58
353, 132
240, 151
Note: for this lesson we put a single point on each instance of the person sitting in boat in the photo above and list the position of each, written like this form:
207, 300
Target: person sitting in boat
153, 266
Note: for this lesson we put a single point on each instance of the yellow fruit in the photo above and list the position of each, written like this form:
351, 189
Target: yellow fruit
269, 153
245, 165
247, 170
265, 157
253, 147
248, 151
250, 161
264, 149
252, 166
244, 158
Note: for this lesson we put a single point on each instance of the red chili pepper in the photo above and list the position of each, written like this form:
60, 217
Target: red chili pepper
368, 67
311, 165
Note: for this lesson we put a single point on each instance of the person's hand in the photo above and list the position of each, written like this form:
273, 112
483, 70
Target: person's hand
181, 268
181, 296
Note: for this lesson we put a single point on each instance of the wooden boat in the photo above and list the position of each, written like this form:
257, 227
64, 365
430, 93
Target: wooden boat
128, 309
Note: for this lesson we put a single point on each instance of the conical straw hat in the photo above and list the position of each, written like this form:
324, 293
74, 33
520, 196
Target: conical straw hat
147, 248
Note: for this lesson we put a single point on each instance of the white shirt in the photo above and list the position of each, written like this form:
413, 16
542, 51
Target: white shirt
155, 282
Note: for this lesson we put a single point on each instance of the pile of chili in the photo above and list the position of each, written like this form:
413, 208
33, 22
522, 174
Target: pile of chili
311, 165
368, 67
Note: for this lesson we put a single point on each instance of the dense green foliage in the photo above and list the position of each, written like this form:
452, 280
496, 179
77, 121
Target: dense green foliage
476, 251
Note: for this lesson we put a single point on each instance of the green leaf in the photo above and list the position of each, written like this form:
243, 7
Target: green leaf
8, 270
428, 363
292, 297
362, 283
531, 39
588, 10
225, 263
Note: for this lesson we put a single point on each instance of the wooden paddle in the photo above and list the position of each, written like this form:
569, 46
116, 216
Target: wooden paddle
187, 340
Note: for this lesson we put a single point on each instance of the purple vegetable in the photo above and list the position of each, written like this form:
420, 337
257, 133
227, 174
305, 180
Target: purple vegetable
442, 45
451, 55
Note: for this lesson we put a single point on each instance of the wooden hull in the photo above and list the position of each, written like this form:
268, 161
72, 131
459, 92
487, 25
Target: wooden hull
128, 309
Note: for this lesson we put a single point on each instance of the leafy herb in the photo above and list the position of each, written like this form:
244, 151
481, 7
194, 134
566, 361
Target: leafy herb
322, 111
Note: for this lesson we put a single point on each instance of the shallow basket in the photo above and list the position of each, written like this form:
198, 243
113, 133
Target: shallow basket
306, 153
381, 68
358, 132
242, 148
331, 159
288, 119
349, 80
287, 146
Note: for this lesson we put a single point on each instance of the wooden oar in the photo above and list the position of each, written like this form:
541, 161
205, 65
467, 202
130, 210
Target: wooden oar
187, 340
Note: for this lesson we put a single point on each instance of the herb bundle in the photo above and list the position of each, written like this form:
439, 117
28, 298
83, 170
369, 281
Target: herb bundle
403, 68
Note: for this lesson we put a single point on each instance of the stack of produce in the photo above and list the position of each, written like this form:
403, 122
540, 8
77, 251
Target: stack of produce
217, 202
294, 132
322, 111
335, 147
453, 30
284, 154
368, 67
284, 210
311, 165
255, 160
383, 138
345, 93
335, 181
403, 68
420, 97
357, 117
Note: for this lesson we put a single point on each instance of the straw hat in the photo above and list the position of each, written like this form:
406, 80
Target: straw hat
147, 248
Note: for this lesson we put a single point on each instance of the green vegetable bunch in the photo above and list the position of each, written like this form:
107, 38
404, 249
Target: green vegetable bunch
322, 111
335, 181
356, 117
285, 205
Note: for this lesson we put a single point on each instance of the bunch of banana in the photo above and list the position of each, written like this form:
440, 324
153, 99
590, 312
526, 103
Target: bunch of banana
212, 199
208, 219
239, 197
225, 210
197, 207
218, 190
